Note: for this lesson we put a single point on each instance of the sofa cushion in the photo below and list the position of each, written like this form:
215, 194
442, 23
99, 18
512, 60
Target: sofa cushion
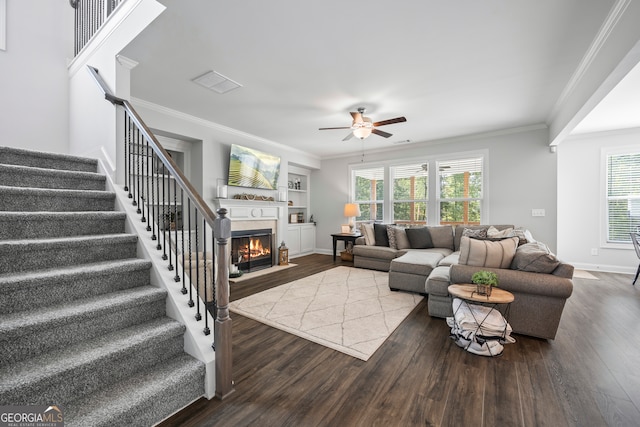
367, 232
378, 252
441, 236
416, 262
534, 257
487, 253
419, 238
453, 258
438, 282
381, 237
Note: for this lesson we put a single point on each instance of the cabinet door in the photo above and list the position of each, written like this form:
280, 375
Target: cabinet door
307, 238
293, 240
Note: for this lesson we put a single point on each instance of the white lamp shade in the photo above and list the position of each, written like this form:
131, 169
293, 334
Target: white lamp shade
351, 209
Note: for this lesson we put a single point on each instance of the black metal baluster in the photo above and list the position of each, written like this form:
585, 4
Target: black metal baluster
138, 161
143, 177
154, 179
159, 204
148, 176
184, 288
198, 316
190, 256
174, 217
130, 153
166, 208
176, 278
127, 125
206, 329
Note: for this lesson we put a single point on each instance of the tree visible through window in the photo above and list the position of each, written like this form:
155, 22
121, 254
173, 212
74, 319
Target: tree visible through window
369, 193
410, 193
460, 191
623, 196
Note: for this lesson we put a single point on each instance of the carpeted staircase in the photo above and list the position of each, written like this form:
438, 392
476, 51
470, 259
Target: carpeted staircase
81, 327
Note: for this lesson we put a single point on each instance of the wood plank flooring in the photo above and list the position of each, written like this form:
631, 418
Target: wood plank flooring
587, 376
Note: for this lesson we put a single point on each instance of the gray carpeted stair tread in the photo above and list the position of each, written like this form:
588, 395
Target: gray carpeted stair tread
32, 290
25, 225
18, 156
54, 377
37, 177
23, 335
29, 199
37, 254
142, 400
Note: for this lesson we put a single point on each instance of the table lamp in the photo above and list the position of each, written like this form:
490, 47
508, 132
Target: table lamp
351, 210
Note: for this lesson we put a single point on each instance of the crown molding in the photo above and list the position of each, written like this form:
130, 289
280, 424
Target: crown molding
616, 12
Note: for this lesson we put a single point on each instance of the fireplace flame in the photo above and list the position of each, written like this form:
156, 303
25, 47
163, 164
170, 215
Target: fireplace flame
255, 249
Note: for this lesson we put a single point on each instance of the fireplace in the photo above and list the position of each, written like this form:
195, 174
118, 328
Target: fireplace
252, 250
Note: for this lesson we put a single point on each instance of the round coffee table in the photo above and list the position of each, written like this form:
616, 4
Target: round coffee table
468, 295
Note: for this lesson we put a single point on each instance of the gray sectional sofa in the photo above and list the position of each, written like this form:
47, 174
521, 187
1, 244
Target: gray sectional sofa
428, 259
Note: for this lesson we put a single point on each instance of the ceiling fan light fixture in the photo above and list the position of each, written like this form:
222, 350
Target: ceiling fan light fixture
362, 132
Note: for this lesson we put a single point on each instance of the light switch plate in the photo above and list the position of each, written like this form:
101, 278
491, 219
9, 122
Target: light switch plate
537, 212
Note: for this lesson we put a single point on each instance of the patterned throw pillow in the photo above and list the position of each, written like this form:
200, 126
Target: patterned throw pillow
475, 233
535, 257
487, 253
391, 235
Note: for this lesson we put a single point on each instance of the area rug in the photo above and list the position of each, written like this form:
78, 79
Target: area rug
254, 274
347, 309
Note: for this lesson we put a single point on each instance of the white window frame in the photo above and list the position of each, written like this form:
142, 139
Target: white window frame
352, 187
604, 205
3, 24
433, 197
392, 169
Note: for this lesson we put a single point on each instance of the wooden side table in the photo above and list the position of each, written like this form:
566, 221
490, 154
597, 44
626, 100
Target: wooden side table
345, 237
468, 295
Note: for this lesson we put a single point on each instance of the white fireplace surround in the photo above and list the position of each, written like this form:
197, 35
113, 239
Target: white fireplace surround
253, 214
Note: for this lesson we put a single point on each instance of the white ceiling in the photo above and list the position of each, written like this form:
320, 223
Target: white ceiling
450, 67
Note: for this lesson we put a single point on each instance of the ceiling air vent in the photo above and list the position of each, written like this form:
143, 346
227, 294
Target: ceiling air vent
216, 82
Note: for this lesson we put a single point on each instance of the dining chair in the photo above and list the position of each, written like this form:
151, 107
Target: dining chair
636, 245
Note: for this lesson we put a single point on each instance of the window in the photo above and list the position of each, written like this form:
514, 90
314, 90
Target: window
369, 193
623, 196
460, 183
410, 193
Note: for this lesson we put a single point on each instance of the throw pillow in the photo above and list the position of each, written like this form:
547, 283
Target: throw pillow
487, 253
476, 233
402, 241
535, 257
494, 233
441, 236
391, 235
381, 237
369, 236
419, 238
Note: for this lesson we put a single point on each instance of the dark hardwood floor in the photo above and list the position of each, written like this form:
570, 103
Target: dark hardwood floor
587, 376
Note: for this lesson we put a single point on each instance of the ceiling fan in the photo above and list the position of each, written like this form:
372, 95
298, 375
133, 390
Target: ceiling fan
362, 126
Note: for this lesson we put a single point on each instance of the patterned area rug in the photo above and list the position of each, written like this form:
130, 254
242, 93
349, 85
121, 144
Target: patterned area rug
347, 309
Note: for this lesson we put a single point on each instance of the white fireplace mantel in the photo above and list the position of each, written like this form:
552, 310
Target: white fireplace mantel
250, 210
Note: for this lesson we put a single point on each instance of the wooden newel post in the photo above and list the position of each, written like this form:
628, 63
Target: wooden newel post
222, 334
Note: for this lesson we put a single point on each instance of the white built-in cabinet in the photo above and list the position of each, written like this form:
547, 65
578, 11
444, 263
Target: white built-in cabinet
301, 233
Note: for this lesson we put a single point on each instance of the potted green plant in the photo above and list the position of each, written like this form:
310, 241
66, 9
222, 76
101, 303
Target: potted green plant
484, 281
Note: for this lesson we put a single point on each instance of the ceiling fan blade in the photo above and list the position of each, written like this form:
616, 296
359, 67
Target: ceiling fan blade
343, 127
381, 133
390, 121
357, 117
348, 137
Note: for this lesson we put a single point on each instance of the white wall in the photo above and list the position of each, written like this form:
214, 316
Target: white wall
33, 75
520, 168
581, 206
92, 118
